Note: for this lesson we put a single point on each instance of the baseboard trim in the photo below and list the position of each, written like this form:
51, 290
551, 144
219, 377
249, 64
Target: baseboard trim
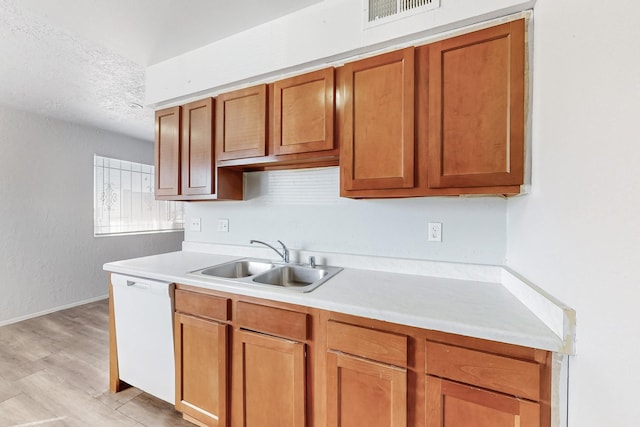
51, 310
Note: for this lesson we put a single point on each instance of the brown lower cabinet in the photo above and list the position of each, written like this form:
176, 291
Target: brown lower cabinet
201, 352
272, 378
201, 349
451, 404
269, 365
366, 376
365, 392
243, 361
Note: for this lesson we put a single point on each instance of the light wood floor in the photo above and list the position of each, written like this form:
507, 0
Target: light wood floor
54, 371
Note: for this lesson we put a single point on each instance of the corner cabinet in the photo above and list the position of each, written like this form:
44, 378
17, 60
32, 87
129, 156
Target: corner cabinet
451, 405
476, 108
492, 389
388, 375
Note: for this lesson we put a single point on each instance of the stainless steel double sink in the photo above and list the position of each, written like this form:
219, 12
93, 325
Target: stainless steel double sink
298, 277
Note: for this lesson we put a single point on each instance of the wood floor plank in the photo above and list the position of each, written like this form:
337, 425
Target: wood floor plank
12, 365
63, 400
23, 409
116, 400
78, 373
151, 411
7, 390
54, 372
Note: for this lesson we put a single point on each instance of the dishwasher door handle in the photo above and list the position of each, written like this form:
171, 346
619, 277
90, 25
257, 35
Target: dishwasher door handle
138, 284
142, 284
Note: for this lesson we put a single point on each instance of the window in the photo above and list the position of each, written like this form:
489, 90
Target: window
124, 200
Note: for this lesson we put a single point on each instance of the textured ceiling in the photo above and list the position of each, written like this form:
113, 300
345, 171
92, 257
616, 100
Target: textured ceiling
83, 61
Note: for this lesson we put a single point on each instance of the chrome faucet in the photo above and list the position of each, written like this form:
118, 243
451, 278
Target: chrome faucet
284, 254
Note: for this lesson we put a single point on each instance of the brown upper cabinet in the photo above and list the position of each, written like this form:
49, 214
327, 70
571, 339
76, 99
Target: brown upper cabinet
446, 118
441, 119
185, 158
303, 113
197, 148
476, 108
299, 127
167, 152
241, 119
376, 123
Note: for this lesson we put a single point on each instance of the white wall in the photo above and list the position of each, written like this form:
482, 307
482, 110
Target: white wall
474, 228
578, 234
303, 209
48, 255
326, 32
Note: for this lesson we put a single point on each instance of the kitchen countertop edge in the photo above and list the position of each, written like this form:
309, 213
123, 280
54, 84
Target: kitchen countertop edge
498, 305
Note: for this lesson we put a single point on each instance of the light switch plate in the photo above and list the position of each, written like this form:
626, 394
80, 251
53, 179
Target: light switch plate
223, 225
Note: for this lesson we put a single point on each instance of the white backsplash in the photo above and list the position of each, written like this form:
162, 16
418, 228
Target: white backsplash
303, 209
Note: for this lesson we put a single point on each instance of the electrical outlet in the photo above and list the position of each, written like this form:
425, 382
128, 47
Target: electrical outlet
435, 231
223, 225
195, 224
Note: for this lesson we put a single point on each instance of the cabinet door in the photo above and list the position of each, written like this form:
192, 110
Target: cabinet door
452, 404
365, 393
272, 381
303, 113
167, 152
197, 148
241, 123
376, 122
201, 369
476, 108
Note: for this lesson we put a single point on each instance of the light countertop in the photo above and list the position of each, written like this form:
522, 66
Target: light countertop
477, 308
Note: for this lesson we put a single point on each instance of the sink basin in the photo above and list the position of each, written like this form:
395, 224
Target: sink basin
301, 277
297, 277
237, 269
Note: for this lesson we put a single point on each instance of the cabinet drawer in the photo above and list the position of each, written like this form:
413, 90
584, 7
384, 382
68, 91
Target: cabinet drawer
203, 305
271, 320
368, 343
512, 376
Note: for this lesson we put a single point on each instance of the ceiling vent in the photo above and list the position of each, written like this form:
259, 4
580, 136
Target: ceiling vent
378, 12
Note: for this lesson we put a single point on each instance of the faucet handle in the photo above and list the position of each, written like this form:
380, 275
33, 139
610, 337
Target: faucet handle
312, 261
285, 251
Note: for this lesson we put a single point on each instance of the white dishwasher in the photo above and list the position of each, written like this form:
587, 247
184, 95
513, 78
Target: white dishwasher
143, 311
